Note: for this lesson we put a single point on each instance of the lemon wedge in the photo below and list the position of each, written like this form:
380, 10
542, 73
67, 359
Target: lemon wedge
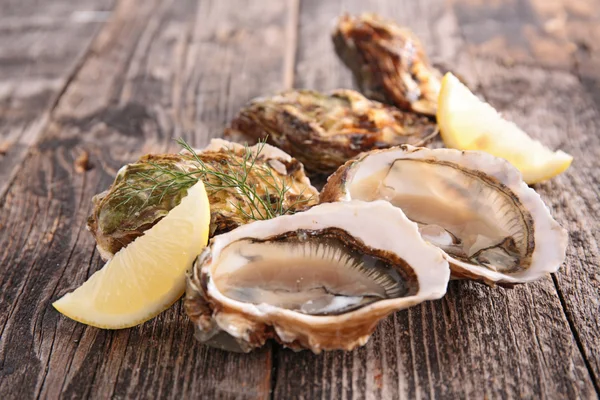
467, 123
146, 277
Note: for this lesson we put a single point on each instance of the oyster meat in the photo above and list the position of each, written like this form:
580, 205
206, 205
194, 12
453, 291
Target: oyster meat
324, 130
319, 279
474, 206
388, 62
132, 204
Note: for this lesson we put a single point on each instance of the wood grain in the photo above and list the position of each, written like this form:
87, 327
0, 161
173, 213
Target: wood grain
554, 93
548, 34
555, 108
41, 46
158, 70
478, 341
155, 71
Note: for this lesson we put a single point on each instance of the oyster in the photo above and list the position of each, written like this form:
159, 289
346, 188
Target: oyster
388, 62
324, 130
134, 202
474, 206
319, 279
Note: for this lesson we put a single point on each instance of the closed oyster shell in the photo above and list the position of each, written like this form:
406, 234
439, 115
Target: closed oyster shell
115, 222
319, 279
474, 206
324, 130
388, 62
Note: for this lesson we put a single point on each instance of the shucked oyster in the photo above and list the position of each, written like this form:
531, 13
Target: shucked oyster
319, 279
145, 191
324, 130
472, 205
388, 62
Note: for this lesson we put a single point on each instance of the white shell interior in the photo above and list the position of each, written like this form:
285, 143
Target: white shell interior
453, 207
377, 224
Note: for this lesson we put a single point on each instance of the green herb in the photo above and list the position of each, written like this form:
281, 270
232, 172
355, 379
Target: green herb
240, 175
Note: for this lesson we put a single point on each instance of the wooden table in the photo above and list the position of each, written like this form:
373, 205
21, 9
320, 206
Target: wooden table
117, 80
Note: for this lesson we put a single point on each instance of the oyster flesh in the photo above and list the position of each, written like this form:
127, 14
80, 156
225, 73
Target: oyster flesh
319, 279
388, 62
134, 203
324, 130
474, 206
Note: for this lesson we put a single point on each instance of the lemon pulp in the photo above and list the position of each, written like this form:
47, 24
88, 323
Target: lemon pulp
146, 277
467, 123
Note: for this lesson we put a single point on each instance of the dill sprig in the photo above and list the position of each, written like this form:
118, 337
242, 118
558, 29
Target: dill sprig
241, 175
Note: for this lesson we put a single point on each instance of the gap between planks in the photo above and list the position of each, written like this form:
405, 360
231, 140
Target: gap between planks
291, 33
575, 73
289, 66
49, 112
575, 334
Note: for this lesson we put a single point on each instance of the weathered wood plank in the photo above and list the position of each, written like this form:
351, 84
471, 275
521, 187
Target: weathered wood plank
160, 70
477, 341
556, 109
245, 52
562, 110
155, 71
40, 47
548, 34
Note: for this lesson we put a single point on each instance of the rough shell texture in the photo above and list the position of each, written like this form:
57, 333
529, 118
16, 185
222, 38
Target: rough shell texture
388, 62
236, 325
115, 222
324, 130
487, 191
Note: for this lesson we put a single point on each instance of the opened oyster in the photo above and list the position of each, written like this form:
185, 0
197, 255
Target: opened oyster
324, 130
388, 62
319, 279
474, 206
145, 191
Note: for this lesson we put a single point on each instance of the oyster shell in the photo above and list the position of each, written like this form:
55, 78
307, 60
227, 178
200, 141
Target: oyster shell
115, 222
474, 206
319, 279
324, 130
388, 62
